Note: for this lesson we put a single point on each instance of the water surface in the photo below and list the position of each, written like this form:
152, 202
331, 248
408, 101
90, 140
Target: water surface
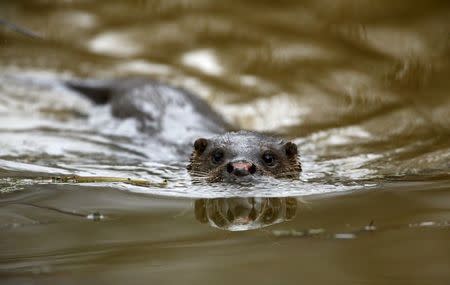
361, 87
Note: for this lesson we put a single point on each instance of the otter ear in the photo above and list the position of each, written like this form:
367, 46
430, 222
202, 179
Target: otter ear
290, 149
200, 145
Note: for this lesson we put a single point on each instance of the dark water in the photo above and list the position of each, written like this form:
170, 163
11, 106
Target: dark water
362, 87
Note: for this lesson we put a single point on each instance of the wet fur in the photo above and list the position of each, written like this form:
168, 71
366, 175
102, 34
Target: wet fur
200, 170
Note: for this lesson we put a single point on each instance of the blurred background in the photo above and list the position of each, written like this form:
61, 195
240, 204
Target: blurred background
361, 86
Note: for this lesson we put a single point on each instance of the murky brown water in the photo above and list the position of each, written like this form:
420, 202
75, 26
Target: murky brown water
361, 86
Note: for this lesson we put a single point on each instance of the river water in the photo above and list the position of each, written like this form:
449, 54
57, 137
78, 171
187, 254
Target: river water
362, 87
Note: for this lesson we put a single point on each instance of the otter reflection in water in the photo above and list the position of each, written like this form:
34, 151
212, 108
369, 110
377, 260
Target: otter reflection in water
241, 214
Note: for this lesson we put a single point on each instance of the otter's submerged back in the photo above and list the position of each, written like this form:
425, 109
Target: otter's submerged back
167, 112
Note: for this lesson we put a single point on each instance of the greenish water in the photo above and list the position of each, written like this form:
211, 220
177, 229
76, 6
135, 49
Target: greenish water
361, 87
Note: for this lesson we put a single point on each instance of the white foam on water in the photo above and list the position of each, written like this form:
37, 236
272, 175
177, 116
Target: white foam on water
115, 44
204, 60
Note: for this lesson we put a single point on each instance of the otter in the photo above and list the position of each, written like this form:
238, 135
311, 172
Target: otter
162, 110
240, 155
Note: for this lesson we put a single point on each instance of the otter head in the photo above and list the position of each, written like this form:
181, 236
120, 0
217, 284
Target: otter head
241, 156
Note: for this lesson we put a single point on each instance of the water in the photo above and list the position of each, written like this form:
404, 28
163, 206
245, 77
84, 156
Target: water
361, 87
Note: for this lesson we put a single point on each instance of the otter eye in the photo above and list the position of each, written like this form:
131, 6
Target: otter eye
268, 158
217, 156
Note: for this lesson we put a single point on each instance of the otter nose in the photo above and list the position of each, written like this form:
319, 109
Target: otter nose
241, 168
